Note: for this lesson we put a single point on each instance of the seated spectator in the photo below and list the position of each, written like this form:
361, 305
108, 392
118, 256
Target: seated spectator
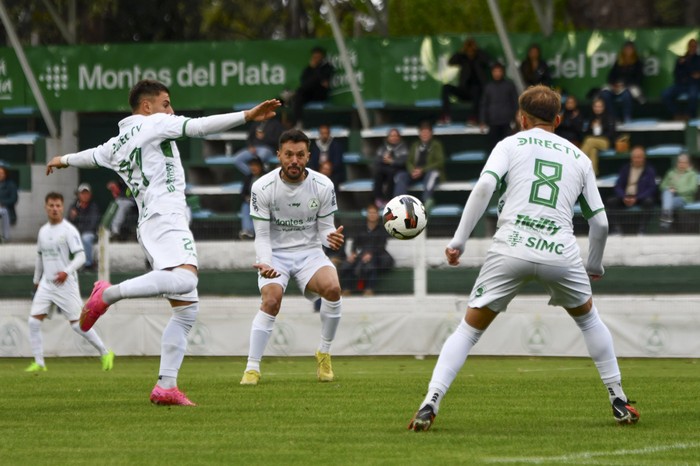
473, 74
678, 188
426, 163
263, 137
499, 106
534, 68
571, 125
624, 81
635, 186
85, 215
315, 84
256, 169
600, 134
8, 199
389, 161
368, 258
686, 80
328, 149
125, 206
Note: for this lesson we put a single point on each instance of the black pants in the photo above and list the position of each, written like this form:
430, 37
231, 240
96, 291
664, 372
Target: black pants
622, 220
470, 93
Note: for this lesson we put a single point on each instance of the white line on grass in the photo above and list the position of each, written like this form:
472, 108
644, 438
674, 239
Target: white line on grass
577, 457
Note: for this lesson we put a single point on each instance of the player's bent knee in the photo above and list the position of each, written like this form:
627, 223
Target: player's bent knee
331, 294
271, 305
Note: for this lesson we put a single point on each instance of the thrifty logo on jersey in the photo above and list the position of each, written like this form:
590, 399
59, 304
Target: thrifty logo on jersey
543, 225
549, 145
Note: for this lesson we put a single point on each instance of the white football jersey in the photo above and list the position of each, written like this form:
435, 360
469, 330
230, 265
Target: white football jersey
56, 244
541, 177
293, 208
146, 157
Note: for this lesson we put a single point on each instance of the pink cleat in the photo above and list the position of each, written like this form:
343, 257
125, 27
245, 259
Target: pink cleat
95, 306
169, 396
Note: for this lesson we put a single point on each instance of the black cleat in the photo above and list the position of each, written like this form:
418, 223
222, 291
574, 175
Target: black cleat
423, 419
624, 412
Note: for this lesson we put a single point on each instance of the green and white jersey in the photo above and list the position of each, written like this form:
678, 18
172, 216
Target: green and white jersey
56, 245
293, 208
541, 177
145, 156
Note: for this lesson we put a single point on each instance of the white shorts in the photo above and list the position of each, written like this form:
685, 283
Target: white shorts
302, 265
501, 277
168, 241
66, 297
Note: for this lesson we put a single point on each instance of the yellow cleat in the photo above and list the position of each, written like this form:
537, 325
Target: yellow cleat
325, 370
250, 378
34, 367
108, 361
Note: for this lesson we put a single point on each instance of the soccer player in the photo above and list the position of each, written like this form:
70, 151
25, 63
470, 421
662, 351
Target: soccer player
292, 209
59, 255
145, 156
541, 176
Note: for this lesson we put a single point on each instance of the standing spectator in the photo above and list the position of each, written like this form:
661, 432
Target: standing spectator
426, 163
8, 199
624, 81
499, 105
389, 161
368, 258
262, 142
534, 68
125, 205
85, 215
686, 80
473, 74
600, 133
315, 84
678, 188
59, 255
257, 169
328, 149
571, 126
635, 186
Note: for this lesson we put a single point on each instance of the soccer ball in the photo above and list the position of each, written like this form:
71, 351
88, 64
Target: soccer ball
404, 217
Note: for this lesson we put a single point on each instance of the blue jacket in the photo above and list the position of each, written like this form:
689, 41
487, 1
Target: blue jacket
646, 186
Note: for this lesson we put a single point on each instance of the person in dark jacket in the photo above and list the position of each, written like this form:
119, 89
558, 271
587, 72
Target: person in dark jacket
571, 125
600, 134
473, 74
624, 81
389, 162
257, 169
534, 68
8, 199
328, 149
635, 186
499, 106
85, 215
315, 84
368, 258
686, 80
263, 137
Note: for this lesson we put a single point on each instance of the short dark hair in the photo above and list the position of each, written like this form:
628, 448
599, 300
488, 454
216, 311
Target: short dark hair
425, 125
53, 195
540, 102
145, 88
318, 49
294, 135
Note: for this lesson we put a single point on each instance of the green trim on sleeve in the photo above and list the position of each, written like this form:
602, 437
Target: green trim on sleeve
498, 180
184, 127
586, 210
260, 218
328, 215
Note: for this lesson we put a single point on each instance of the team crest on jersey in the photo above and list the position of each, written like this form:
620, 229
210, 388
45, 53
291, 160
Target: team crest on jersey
313, 203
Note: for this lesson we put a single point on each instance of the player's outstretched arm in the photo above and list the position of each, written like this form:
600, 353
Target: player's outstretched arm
263, 111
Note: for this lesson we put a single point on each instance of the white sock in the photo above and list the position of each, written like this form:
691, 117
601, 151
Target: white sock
174, 343
91, 336
452, 357
330, 319
260, 332
155, 283
36, 340
600, 347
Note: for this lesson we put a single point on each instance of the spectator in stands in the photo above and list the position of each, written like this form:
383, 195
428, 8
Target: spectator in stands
425, 162
388, 163
499, 106
473, 74
315, 84
327, 149
571, 126
125, 206
534, 68
624, 81
257, 169
368, 257
8, 199
85, 215
600, 134
635, 187
262, 142
678, 188
686, 80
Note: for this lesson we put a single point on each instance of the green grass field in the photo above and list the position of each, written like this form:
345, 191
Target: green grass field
499, 411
